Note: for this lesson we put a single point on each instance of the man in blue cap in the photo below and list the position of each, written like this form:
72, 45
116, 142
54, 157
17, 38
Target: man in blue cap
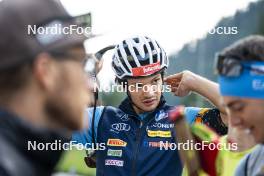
241, 78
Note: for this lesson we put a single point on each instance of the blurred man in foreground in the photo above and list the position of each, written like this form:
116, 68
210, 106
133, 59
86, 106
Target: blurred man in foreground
43, 87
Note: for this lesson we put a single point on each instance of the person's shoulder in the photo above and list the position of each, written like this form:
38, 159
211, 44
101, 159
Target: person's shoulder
253, 163
202, 112
257, 155
96, 112
104, 110
259, 149
209, 116
191, 113
98, 108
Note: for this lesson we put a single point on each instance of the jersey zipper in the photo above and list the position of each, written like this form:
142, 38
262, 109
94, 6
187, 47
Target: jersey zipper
138, 137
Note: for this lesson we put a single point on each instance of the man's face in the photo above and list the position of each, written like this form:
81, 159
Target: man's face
71, 95
148, 94
247, 114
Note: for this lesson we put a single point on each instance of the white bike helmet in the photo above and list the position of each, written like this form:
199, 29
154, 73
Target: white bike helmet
138, 57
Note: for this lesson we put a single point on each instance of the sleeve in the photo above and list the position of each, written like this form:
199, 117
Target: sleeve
191, 114
208, 116
85, 136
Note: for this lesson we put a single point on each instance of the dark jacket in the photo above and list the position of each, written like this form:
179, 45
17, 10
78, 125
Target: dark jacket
135, 147
141, 154
15, 158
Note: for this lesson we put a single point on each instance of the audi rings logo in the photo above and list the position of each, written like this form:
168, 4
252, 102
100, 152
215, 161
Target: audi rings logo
117, 127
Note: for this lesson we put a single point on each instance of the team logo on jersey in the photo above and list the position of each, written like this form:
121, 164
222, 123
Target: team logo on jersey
116, 143
157, 144
117, 127
159, 133
110, 162
124, 118
163, 125
111, 152
161, 115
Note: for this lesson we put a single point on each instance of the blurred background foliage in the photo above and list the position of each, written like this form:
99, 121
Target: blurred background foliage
198, 56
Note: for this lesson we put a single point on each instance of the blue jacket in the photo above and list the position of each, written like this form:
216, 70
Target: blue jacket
132, 142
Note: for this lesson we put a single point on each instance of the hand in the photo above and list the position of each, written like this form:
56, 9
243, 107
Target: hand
181, 83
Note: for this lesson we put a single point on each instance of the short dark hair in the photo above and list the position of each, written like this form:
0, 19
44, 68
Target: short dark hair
250, 48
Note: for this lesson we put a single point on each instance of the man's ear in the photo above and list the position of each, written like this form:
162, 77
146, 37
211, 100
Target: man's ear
45, 70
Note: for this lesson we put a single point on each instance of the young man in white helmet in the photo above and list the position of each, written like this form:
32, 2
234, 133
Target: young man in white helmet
133, 131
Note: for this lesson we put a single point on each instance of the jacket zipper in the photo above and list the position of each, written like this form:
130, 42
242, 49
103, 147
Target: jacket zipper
138, 136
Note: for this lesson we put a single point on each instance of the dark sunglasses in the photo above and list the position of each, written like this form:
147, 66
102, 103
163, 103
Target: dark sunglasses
232, 67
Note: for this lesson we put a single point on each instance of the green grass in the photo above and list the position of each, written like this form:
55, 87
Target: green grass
73, 162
